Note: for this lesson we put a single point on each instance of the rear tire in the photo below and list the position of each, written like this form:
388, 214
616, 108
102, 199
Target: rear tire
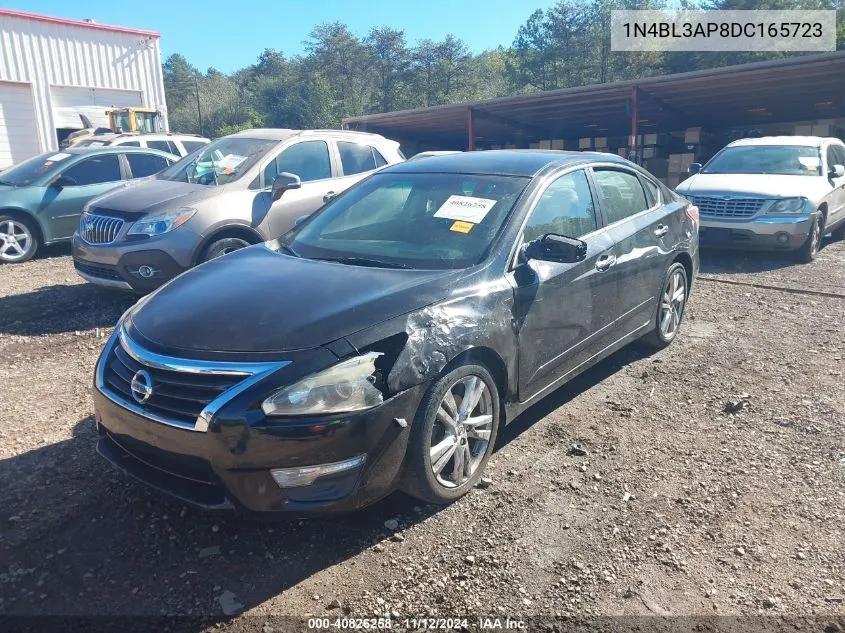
810, 249
450, 445
221, 247
18, 240
671, 306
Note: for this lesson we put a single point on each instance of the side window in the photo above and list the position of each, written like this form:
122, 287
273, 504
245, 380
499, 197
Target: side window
160, 145
357, 158
309, 160
174, 149
94, 171
381, 161
565, 208
831, 156
652, 191
129, 144
839, 153
191, 146
621, 194
145, 164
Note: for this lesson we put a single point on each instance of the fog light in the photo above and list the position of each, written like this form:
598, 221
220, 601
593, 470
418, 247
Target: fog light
144, 271
306, 475
782, 238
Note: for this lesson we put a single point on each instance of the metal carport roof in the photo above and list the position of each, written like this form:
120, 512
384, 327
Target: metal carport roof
792, 89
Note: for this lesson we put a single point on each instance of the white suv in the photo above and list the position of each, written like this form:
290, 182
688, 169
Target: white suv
177, 144
776, 192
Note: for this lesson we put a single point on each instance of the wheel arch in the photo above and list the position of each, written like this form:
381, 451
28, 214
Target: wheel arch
241, 231
25, 216
823, 209
493, 362
685, 259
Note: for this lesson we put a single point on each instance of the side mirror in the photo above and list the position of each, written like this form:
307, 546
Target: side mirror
283, 182
557, 248
300, 219
837, 171
694, 168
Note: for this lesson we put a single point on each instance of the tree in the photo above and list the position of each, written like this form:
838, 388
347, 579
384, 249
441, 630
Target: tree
390, 62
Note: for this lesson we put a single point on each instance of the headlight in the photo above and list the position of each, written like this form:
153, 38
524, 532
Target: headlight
787, 205
346, 387
162, 222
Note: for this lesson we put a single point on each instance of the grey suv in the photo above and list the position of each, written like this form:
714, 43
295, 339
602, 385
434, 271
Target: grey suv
236, 191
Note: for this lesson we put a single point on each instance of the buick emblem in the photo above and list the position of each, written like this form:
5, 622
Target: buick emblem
141, 386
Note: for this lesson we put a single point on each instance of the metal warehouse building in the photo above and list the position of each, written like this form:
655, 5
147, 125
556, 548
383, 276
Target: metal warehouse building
52, 70
664, 122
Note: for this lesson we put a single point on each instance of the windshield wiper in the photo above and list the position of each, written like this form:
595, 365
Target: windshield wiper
363, 261
287, 248
6, 183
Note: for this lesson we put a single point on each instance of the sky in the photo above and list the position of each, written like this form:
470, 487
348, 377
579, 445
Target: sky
230, 35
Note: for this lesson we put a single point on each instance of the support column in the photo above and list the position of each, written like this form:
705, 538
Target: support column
635, 117
470, 132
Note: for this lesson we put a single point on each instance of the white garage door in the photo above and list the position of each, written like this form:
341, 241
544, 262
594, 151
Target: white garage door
69, 103
18, 133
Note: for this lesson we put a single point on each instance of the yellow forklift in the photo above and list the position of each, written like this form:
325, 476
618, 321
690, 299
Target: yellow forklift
135, 120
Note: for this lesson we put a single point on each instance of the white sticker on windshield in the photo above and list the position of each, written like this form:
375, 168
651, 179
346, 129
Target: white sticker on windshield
810, 163
231, 161
465, 208
57, 157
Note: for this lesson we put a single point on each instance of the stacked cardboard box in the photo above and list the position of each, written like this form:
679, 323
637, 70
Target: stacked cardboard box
585, 143
678, 167
557, 143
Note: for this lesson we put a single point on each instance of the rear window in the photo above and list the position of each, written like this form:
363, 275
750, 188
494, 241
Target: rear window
191, 146
357, 158
164, 146
143, 165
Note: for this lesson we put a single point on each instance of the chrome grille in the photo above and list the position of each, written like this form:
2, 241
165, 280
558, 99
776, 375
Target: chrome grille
177, 392
99, 229
726, 207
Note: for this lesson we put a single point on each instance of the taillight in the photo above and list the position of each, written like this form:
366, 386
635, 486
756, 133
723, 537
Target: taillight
692, 213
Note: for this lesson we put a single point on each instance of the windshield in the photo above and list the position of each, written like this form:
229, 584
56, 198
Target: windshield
410, 221
217, 163
785, 160
29, 171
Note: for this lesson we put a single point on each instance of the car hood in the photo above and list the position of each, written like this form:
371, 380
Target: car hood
258, 300
762, 185
139, 198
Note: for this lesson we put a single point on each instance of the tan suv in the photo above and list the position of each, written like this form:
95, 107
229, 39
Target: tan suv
176, 144
238, 190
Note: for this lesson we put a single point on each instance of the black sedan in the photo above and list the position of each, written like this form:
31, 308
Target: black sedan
383, 342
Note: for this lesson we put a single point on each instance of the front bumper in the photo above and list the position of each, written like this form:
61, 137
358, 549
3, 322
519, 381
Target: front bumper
228, 466
765, 232
138, 266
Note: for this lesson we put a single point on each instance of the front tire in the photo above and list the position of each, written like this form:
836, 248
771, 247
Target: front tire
18, 241
810, 249
671, 305
221, 247
453, 435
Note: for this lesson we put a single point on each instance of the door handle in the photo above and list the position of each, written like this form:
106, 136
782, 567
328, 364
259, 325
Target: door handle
661, 230
605, 261
329, 196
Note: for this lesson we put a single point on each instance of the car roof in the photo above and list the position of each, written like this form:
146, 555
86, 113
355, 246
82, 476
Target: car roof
281, 134
505, 162
114, 149
812, 141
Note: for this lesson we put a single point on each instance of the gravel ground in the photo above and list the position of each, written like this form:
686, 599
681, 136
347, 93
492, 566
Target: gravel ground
707, 479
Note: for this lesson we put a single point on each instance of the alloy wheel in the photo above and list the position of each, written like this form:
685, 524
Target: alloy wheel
15, 240
461, 431
672, 305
